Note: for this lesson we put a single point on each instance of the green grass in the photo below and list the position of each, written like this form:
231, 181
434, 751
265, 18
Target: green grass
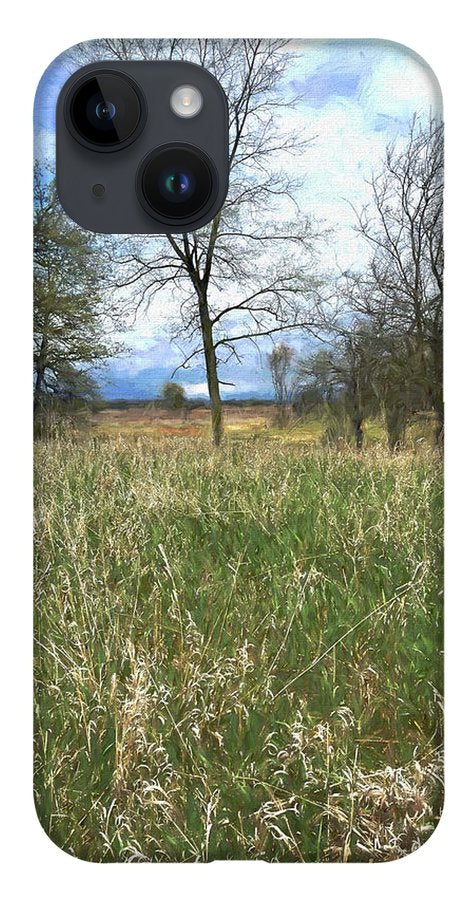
239, 653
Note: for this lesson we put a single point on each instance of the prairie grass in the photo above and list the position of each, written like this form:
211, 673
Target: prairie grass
238, 654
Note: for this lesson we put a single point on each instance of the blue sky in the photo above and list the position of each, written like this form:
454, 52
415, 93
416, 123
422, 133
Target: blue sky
356, 96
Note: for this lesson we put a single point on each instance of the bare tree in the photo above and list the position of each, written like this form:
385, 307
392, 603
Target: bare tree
344, 374
401, 292
316, 378
246, 275
280, 362
396, 381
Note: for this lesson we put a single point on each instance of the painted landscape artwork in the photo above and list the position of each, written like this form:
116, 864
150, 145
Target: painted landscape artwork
238, 479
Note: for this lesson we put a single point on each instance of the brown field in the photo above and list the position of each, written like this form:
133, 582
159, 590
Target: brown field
158, 422
241, 422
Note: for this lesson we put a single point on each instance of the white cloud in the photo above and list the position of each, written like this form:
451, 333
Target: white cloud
401, 84
197, 390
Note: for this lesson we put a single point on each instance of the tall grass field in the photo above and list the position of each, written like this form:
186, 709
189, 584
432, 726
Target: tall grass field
238, 653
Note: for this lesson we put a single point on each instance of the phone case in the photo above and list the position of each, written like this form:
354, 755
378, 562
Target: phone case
238, 488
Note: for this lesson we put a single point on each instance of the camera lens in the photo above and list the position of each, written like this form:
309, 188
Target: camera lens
176, 186
105, 110
176, 182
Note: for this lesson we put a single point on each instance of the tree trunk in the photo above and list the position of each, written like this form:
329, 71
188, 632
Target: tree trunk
37, 393
437, 389
212, 374
283, 415
357, 414
440, 427
358, 431
39, 388
395, 423
40, 369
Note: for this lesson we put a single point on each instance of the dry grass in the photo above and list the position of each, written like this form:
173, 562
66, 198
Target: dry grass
238, 654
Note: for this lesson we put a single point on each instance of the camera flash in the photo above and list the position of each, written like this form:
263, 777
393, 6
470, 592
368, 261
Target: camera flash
186, 101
